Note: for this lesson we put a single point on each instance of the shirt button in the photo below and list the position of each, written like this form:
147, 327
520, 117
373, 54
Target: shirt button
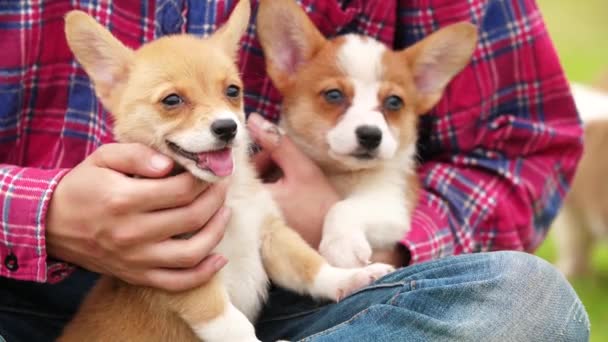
11, 262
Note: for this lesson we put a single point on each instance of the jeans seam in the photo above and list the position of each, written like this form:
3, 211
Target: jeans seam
377, 286
360, 313
307, 312
572, 315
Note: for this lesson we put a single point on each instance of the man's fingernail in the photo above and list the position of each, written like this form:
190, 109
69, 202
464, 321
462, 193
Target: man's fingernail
253, 149
256, 120
261, 126
160, 162
219, 262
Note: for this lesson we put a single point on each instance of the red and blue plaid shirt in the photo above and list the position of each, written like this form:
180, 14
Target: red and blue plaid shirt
497, 153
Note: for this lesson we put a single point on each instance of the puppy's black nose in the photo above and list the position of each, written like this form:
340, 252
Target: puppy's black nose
369, 137
224, 129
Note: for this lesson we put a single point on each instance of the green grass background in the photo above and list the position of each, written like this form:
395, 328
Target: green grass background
579, 30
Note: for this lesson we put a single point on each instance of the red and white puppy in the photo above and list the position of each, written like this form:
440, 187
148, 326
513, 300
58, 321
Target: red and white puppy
352, 105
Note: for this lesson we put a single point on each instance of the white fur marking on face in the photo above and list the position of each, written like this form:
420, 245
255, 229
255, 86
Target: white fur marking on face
361, 61
361, 58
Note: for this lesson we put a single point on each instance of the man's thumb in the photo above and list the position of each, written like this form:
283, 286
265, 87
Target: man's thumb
273, 140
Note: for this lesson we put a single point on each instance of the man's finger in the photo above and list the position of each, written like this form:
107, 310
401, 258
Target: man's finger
262, 162
132, 159
163, 224
187, 253
172, 192
185, 279
282, 150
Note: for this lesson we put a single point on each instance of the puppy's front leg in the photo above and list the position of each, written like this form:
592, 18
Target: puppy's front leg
293, 264
356, 225
211, 315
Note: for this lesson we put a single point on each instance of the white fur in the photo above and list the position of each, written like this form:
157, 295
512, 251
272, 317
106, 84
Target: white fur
337, 283
373, 215
244, 275
592, 104
361, 60
231, 325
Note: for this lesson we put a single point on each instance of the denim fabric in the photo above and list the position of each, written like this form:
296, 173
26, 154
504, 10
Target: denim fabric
499, 296
32, 312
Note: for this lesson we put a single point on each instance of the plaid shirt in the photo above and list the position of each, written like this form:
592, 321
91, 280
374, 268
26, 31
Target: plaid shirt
497, 153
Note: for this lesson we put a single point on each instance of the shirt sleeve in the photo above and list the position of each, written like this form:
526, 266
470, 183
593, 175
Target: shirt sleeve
25, 194
500, 149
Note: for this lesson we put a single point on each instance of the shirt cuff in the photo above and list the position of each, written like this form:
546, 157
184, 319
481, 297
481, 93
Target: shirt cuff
25, 194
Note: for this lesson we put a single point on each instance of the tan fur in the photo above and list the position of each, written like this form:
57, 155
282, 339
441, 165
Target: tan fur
312, 40
289, 259
602, 82
257, 243
584, 218
123, 313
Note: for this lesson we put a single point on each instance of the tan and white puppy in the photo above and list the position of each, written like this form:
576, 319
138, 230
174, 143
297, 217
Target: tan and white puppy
352, 105
583, 220
182, 96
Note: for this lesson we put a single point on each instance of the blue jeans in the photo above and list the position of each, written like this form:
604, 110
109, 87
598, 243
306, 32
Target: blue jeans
500, 296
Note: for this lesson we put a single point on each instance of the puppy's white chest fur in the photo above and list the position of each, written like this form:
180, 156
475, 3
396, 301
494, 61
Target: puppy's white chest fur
244, 275
374, 213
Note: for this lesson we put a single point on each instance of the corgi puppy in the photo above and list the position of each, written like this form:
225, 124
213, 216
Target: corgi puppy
182, 95
352, 105
583, 220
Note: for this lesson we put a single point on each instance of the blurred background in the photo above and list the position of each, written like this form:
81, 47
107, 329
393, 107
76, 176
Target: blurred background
579, 30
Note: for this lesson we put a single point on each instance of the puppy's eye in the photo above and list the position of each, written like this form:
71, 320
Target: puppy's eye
233, 91
172, 101
334, 96
393, 103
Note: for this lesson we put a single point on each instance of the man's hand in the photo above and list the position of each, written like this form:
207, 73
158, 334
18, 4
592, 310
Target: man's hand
105, 221
303, 192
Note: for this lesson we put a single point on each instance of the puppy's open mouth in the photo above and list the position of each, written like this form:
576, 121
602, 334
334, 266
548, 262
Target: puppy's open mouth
219, 162
364, 155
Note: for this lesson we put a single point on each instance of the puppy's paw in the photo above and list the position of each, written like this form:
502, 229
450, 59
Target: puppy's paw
361, 278
337, 283
348, 251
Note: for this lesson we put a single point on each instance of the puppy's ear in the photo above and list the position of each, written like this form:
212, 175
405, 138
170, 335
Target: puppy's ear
435, 60
229, 35
105, 59
289, 38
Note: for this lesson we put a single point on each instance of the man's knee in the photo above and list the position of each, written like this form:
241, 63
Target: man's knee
535, 293
494, 296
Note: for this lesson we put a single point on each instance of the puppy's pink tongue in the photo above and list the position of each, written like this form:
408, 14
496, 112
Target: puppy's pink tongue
219, 162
